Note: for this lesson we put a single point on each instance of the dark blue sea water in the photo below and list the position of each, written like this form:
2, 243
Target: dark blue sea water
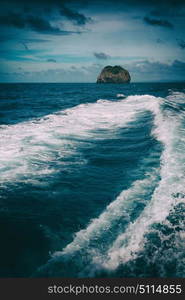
92, 180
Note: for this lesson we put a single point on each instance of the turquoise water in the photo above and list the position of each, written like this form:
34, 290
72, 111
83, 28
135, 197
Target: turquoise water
92, 180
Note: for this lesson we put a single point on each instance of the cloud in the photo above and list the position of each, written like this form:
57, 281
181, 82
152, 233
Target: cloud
140, 71
51, 60
25, 46
101, 55
7, 37
37, 8
181, 43
65, 74
159, 41
31, 22
41, 25
74, 16
170, 11
13, 19
156, 71
34, 41
158, 22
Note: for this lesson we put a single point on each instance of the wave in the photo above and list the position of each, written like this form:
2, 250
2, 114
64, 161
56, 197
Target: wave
170, 191
166, 193
32, 149
120, 96
29, 150
115, 211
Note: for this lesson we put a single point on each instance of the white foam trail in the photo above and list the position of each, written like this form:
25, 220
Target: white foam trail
120, 96
114, 211
169, 192
119, 207
127, 245
176, 97
29, 148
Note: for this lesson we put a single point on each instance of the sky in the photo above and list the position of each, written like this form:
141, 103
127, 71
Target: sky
71, 41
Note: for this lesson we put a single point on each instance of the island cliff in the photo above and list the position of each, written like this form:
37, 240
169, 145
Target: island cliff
115, 74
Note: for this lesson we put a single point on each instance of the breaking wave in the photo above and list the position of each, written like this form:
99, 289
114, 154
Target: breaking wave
31, 150
115, 237
28, 149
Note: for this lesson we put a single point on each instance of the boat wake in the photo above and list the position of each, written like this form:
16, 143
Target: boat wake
32, 149
115, 238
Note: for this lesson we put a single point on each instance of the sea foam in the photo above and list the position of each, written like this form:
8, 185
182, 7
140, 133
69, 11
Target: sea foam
169, 131
127, 245
30, 149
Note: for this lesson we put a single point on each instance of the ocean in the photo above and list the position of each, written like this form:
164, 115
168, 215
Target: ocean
92, 180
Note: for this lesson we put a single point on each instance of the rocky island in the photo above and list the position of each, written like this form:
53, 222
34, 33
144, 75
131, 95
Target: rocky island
115, 74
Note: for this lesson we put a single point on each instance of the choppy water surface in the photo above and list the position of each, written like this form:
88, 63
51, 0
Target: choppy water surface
92, 180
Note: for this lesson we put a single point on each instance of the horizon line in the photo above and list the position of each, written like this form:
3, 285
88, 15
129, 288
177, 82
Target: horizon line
90, 82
